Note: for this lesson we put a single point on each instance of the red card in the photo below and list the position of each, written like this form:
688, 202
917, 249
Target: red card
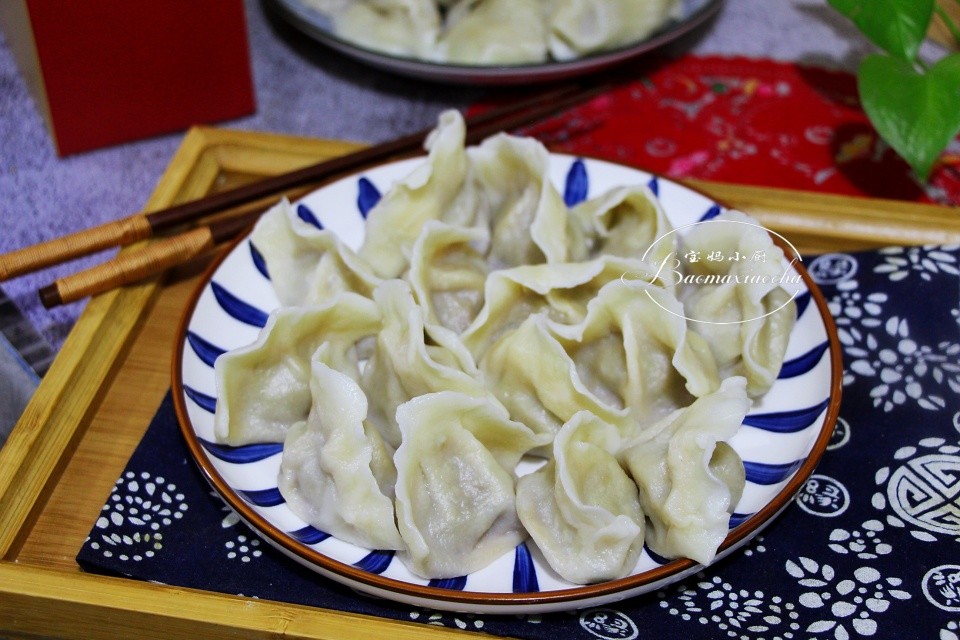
111, 71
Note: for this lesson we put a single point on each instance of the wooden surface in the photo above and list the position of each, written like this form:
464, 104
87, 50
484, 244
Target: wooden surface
95, 403
938, 28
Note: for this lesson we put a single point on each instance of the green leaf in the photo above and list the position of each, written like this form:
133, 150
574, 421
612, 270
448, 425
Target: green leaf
896, 26
918, 114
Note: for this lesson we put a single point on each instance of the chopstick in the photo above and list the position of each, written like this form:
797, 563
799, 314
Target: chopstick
159, 255
142, 226
129, 267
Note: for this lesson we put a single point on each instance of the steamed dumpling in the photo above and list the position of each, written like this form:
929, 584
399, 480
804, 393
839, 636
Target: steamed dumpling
336, 472
748, 319
484, 321
400, 27
403, 366
537, 381
448, 273
581, 27
627, 222
264, 388
525, 212
689, 478
562, 291
494, 32
635, 351
581, 508
485, 32
630, 361
455, 484
307, 265
435, 190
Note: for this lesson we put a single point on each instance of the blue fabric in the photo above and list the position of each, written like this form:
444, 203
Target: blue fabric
868, 549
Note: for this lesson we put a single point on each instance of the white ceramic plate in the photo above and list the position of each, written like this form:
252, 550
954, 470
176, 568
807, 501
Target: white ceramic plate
781, 441
694, 13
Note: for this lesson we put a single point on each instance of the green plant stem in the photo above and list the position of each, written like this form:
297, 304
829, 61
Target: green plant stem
947, 20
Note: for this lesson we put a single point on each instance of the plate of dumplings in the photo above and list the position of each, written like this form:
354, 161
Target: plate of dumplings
496, 379
495, 42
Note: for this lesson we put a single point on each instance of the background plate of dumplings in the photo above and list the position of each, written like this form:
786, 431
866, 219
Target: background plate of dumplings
781, 440
690, 14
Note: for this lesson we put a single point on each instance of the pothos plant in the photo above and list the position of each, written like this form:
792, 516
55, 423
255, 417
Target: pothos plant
914, 106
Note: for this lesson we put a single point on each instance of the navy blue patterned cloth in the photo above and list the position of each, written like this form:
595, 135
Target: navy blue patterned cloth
869, 549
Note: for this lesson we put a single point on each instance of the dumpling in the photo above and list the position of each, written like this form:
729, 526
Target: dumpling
630, 361
537, 381
307, 265
572, 301
525, 213
689, 478
561, 290
406, 28
336, 473
746, 319
455, 485
581, 27
403, 366
436, 190
483, 321
581, 508
485, 32
626, 222
264, 388
492, 32
448, 272
634, 351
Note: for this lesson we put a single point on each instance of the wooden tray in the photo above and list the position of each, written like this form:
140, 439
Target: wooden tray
95, 403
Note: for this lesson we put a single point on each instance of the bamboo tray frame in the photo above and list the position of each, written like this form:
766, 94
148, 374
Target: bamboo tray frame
96, 401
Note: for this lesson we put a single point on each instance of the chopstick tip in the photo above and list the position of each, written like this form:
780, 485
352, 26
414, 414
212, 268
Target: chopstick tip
50, 296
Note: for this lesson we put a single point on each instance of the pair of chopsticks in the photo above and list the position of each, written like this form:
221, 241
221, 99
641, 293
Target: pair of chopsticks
244, 203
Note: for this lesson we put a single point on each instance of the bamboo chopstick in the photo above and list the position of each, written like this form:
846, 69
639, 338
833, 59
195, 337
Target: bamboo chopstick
157, 256
145, 225
129, 267
132, 266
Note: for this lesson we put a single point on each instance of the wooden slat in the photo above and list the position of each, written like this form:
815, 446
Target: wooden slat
59, 410
815, 222
234, 157
92, 607
116, 426
938, 28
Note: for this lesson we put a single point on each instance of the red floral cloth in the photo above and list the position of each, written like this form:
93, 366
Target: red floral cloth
747, 121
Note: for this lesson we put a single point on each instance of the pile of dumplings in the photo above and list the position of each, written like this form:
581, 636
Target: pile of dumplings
494, 32
492, 366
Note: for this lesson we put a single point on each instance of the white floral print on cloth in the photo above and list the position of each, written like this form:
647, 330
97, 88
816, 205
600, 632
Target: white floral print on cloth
140, 508
243, 547
869, 550
879, 344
